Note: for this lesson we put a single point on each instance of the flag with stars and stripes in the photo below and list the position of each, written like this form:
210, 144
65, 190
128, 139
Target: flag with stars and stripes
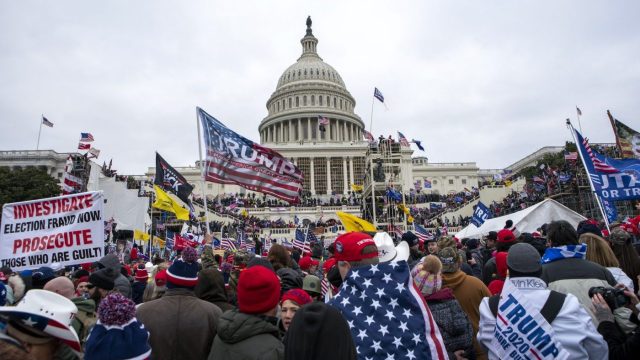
234, 159
422, 233
388, 317
228, 244
301, 241
403, 140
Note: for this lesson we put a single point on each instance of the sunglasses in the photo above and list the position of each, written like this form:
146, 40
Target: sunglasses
90, 286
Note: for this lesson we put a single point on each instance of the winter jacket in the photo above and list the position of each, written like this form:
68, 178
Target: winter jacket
572, 326
469, 291
211, 288
576, 276
245, 337
86, 317
181, 325
622, 278
137, 291
122, 284
621, 347
455, 328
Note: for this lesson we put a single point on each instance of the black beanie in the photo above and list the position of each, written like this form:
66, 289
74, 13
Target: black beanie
103, 278
410, 238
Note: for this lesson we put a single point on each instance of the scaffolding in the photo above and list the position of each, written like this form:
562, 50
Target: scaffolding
384, 172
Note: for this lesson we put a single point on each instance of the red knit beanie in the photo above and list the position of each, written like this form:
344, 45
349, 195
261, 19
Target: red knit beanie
258, 290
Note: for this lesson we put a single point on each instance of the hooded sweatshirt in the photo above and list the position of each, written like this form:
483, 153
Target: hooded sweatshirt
211, 288
122, 284
244, 336
319, 332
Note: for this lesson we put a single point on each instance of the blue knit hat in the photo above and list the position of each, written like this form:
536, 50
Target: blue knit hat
118, 335
184, 272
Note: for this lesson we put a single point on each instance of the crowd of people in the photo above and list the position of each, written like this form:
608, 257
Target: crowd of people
572, 290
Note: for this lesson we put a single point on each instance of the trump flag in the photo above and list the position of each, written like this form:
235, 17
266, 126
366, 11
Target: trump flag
234, 159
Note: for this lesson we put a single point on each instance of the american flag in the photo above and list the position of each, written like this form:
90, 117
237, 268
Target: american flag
82, 146
228, 244
422, 233
369, 136
378, 95
571, 156
234, 159
323, 120
388, 317
71, 184
46, 122
599, 165
242, 241
300, 242
86, 137
403, 140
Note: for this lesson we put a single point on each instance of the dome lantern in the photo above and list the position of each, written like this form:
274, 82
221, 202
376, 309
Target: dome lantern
309, 43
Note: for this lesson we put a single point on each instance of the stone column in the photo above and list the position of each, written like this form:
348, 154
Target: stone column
291, 130
299, 130
281, 131
328, 132
351, 170
309, 129
328, 176
346, 132
344, 175
313, 177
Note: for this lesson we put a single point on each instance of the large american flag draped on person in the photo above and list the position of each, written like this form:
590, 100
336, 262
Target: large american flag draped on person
387, 316
234, 159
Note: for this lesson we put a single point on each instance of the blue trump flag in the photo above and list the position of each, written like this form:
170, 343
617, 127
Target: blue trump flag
612, 179
610, 210
387, 316
480, 214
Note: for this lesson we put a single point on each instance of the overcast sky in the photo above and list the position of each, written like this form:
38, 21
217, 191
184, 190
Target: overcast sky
484, 81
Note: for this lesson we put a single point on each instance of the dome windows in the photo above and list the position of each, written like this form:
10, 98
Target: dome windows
297, 101
320, 100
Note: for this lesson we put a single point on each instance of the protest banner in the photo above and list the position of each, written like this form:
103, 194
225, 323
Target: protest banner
67, 229
521, 331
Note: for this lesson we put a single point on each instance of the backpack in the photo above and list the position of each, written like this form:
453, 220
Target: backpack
549, 311
87, 321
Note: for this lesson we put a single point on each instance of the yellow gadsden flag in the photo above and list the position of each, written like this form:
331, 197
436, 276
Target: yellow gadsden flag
166, 203
354, 223
140, 235
356, 188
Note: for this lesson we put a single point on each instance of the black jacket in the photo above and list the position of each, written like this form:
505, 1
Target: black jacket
620, 346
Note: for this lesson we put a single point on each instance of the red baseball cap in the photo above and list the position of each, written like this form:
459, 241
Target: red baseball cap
306, 262
349, 247
328, 264
506, 236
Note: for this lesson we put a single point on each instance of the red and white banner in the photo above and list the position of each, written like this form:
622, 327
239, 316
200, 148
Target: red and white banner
68, 230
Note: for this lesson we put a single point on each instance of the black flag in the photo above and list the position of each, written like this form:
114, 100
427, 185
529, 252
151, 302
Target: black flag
169, 179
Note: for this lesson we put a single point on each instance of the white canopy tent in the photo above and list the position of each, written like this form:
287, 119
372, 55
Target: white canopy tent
527, 220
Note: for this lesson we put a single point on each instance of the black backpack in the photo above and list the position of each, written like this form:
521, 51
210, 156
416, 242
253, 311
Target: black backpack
549, 310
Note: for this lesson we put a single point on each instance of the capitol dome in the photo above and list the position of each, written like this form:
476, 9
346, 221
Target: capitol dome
311, 103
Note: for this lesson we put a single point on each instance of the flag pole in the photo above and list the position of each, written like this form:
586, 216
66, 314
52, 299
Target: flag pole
204, 196
39, 132
615, 132
579, 112
373, 100
593, 189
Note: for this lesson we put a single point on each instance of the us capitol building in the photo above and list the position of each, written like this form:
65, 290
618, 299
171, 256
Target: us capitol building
331, 159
